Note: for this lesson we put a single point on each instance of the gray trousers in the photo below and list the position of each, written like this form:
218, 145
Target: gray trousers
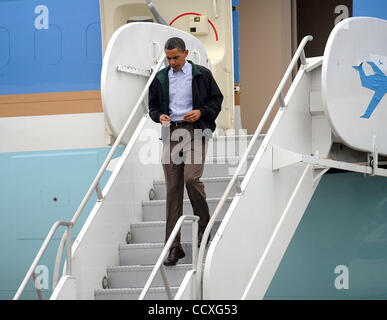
183, 163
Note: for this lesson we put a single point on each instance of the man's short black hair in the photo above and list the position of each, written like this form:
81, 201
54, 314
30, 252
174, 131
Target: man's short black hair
175, 42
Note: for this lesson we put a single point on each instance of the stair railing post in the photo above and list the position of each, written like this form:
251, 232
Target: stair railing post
166, 283
302, 57
282, 101
37, 286
68, 247
42, 249
195, 229
163, 255
99, 192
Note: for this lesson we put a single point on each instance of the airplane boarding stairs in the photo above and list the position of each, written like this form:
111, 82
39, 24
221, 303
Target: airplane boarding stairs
252, 221
249, 236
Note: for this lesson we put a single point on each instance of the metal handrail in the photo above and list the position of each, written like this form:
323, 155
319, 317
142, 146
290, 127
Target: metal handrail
93, 187
156, 14
277, 96
159, 264
31, 271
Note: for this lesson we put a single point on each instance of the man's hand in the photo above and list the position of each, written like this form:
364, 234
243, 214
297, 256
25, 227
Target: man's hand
164, 117
192, 116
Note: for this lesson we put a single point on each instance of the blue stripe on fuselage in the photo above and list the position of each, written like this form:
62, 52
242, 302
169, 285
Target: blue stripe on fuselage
65, 57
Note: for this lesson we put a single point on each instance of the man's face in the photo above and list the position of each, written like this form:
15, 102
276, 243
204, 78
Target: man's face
176, 58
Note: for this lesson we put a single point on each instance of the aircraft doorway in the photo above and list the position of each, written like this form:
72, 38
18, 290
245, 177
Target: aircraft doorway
318, 18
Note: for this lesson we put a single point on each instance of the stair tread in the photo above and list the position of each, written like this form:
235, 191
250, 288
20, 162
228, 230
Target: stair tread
162, 201
233, 136
128, 268
146, 224
149, 245
216, 158
203, 179
114, 291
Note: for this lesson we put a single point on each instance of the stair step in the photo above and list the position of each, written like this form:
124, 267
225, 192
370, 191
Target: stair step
148, 253
231, 145
154, 210
155, 293
221, 138
137, 276
224, 166
154, 231
214, 187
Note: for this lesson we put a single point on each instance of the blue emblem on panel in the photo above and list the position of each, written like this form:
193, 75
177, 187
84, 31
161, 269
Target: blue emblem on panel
376, 82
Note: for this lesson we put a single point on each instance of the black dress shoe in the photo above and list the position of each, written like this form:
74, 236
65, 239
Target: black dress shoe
174, 255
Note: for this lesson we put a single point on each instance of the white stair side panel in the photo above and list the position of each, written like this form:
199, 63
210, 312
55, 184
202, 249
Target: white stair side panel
321, 129
96, 245
283, 233
253, 215
187, 290
66, 289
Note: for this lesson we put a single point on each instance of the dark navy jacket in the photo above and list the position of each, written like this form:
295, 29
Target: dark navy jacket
206, 96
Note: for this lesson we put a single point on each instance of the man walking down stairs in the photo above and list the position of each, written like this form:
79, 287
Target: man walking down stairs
185, 98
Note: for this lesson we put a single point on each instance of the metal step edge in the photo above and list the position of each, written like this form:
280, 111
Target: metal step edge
134, 268
148, 245
233, 136
149, 224
119, 291
161, 202
204, 180
217, 159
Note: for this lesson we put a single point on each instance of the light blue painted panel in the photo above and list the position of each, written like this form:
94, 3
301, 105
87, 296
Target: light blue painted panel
345, 225
63, 58
37, 189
